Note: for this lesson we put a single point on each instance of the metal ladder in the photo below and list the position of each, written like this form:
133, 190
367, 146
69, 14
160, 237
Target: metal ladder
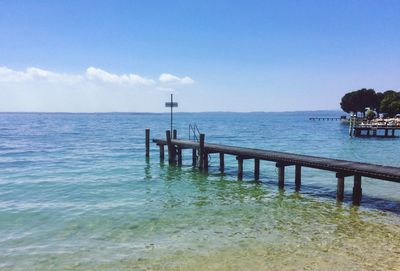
194, 132
194, 135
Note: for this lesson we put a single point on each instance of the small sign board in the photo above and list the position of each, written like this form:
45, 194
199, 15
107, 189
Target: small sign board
171, 104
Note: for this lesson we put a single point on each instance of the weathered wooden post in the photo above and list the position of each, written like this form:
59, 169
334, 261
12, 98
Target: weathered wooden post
174, 134
221, 162
194, 157
201, 151
161, 152
171, 149
340, 187
386, 132
179, 156
357, 190
147, 143
240, 168
281, 175
205, 165
256, 169
297, 177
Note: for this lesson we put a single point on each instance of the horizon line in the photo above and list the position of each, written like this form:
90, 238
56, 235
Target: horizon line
148, 112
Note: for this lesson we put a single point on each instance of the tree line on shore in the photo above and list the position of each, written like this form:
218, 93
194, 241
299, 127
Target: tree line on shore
382, 102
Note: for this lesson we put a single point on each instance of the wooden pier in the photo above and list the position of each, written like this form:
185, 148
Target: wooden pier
326, 118
375, 131
342, 168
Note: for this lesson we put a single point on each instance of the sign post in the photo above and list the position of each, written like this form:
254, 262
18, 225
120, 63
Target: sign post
171, 104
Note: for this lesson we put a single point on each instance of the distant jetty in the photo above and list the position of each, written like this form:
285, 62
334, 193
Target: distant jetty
341, 118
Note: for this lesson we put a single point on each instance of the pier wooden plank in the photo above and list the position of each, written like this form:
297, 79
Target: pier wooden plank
387, 173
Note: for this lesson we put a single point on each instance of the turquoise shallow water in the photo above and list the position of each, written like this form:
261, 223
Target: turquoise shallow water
76, 193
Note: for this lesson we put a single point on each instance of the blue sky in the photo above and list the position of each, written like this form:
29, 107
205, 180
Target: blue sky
86, 56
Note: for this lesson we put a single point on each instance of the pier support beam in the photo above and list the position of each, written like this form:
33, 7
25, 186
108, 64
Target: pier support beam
240, 168
221, 162
205, 165
256, 169
147, 143
357, 190
281, 175
174, 134
340, 187
386, 132
297, 177
194, 157
171, 148
161, 152
201, 151
393, 132
179, 156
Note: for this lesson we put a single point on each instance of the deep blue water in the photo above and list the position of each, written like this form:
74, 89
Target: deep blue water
76, 193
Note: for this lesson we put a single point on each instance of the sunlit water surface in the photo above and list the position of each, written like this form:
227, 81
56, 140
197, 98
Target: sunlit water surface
76, 193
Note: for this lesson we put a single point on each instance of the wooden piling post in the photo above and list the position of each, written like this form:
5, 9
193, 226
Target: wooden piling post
179, 156
221, 162
205, 161
386, 132
194, 157
171, 149
256, 169
393, 132
201, 151
147, 143
161, 152
240, 168
357, 190
281, 175
297, 178
174, 134
340, 187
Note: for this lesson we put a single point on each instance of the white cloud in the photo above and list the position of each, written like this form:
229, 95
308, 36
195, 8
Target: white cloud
170, 78
91, 74
93, 90
9, 75
36, 74
102, 75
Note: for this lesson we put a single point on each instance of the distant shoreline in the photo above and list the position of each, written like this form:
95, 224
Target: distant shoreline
182, 112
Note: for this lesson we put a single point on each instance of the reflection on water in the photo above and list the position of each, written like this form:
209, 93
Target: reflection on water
76, 193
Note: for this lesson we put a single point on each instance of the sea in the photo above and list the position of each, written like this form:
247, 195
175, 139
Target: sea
77, 193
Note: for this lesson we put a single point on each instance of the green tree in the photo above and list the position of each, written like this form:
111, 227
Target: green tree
390, 104
370, 114
349, 102
357, 101
380, 97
